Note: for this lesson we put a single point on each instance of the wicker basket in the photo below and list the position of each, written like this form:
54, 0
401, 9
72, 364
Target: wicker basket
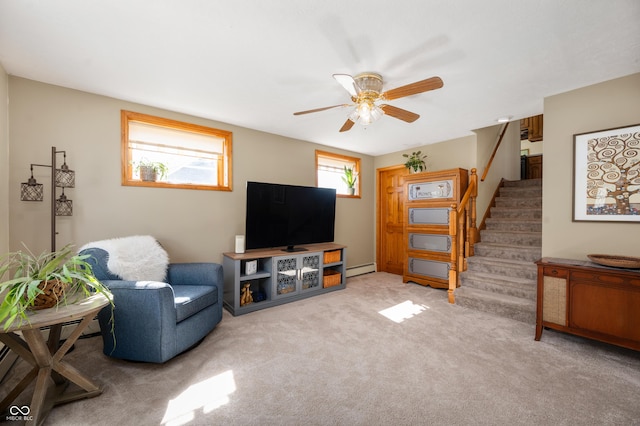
331, 278
52, 292
332, 256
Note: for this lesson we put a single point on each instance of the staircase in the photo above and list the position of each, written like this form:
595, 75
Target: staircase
501, 277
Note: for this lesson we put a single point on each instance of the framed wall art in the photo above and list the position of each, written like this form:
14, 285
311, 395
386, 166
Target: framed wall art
606, 175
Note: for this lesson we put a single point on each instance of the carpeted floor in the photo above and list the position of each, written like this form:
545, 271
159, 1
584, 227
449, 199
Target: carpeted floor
377, 353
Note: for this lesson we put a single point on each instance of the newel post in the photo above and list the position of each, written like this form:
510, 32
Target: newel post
473, 230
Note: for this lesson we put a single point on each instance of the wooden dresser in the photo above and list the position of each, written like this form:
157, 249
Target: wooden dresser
429, 197
589, 300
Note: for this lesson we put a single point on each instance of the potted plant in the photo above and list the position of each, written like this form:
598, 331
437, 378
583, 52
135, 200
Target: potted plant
151, 171
350, 177
415, 162
43, 281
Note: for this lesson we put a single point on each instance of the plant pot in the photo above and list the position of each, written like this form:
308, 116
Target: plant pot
351, 191
148, 174
52, 293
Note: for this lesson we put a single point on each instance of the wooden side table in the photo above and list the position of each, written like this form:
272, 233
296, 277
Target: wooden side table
51, 373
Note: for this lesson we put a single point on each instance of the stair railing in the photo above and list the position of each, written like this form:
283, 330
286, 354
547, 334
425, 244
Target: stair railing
495, 150
463, 233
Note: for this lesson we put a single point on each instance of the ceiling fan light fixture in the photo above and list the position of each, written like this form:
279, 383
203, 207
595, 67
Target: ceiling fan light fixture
369, 81
354, 115
376, 112
368, 112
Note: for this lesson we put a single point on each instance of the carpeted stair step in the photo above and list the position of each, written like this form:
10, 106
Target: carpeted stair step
507, 251
511, 237
523, 182
519, 202
521, 213
505, 267
503, 305
520, 192
512, 286
514, 224
520, 238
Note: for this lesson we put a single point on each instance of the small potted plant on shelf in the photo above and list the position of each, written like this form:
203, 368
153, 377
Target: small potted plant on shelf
350, 177
415, 162
44, 281
151, 171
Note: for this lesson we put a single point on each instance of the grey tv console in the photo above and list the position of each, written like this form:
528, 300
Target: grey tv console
282, 277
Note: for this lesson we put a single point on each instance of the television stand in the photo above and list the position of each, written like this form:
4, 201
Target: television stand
275, 278
292, 249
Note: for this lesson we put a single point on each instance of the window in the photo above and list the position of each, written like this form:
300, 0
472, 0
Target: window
330, 170
171, 154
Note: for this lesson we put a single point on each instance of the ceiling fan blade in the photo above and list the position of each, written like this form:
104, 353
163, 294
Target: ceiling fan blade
348, 83
413, 88
347, 125
400, 113
319, 109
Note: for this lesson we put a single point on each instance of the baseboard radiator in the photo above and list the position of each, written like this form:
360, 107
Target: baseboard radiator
352, 271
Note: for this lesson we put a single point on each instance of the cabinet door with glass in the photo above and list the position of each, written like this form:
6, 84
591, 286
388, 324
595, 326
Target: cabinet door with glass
296, 273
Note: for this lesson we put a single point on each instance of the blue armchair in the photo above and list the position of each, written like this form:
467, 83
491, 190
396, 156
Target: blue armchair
155, 321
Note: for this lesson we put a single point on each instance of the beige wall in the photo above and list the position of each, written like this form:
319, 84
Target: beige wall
449, 154
602, 106
471, 152
4, 161
535, 148
505, 165
200, 225
193, 225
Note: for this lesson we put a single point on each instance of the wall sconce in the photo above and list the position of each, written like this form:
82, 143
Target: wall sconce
63, 178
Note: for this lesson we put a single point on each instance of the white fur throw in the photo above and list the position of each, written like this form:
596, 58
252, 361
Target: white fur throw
134, 258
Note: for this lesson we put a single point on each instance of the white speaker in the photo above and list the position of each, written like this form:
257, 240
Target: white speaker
239, 243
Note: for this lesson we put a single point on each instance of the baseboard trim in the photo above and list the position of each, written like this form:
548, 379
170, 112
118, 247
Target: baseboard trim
361, 269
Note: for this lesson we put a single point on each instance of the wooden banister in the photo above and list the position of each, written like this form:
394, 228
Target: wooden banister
495, 149
463, 232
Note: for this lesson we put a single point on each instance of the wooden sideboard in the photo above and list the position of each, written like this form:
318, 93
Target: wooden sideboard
589, 300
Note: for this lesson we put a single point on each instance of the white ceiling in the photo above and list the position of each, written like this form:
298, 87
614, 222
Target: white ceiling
253, 63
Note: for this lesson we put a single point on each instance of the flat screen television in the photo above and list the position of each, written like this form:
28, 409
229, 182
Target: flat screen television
288, 215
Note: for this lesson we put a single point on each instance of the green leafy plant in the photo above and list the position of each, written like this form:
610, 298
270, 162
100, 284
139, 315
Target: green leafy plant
160, 169
30, 271
350, 177
415, 161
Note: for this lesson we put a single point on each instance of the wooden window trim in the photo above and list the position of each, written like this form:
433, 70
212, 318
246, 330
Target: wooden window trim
345, 158
126, 166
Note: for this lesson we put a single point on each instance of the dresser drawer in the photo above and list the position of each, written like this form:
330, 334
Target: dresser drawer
429, 216
429, 268
430, 242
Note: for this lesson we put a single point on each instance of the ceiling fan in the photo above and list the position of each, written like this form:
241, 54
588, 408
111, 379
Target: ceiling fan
368, 99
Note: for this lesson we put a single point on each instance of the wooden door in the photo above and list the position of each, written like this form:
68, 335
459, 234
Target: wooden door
390, 218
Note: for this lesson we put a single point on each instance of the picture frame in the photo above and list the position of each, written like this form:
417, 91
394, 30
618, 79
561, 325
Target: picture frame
606, 175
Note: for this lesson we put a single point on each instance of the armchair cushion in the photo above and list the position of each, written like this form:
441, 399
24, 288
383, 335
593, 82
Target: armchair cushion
191, 299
